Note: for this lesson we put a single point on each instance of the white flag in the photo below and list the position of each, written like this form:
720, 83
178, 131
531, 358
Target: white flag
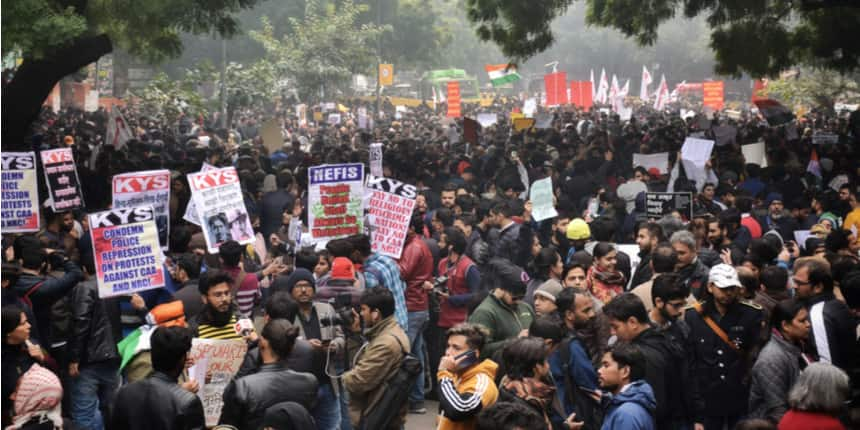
593, 88
646, 80
662, 94
118, 132
603, 88
621, 94
613, 89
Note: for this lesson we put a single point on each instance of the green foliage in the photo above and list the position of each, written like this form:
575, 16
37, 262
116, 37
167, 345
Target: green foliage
169, 99
253, 86
325, 49
815, 88
147, 29
416, 38
758, 37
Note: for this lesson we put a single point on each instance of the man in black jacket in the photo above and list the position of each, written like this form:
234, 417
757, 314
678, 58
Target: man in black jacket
93, 356
515, 240
158, 402
247, 398
664, 360
648, 235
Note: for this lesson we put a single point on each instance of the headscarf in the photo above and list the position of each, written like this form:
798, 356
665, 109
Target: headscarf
39, 396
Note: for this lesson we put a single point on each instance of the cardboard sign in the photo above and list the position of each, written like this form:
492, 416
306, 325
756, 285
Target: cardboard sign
333, 118
302, 113
222, 358
659, 161
487, 119
820, 138
530, 107
191, 209
754, 153
521, 124
273, 140
335, 201
151, 188
126, 251
541, 198
697, 151
390, 204
20, 210
543, 121
376, 159
658, 204
62, 178
221, 207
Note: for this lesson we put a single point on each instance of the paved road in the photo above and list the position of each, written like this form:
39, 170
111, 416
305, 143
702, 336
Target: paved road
426, 421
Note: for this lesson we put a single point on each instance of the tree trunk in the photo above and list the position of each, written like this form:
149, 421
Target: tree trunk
34, 80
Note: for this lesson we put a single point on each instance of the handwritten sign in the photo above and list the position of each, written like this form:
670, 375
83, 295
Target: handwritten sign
126, 250
335, 201
376, 159
221, 207
223, 359
390, 206
20, 210
541, 197
659, 204
62, 178
150, 188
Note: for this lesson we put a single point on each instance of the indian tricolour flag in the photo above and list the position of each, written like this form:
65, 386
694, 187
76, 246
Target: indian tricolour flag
501, 74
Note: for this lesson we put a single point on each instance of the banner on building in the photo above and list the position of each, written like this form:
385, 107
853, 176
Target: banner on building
713, 94
126, 251
390, 204
150, 188
454, 99
61, 176
335, 201
20, 209
659, 204
220, 207
220, 360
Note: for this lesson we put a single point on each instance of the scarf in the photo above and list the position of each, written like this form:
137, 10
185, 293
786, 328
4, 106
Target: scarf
603, 284
39, 397
531, 390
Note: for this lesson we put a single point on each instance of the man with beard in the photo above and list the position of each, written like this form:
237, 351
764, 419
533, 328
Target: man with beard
218, 318
664, 359
648, 235
558, 238
726, 232
663, 260
570, 364
776, 218
669, 298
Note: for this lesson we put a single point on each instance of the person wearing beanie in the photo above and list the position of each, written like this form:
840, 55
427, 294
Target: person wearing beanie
777, 218
317, 323
545, 295
578, 233
503, 311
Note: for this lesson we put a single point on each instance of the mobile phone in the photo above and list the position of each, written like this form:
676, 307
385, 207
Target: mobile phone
469, 358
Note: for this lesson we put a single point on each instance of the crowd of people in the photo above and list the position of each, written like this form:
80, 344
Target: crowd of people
720, 318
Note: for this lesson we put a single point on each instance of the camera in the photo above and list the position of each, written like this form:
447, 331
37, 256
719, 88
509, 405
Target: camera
342, 304
440, 285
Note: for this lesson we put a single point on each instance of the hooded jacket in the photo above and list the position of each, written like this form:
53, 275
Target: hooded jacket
502, 321
631, 409
463, 396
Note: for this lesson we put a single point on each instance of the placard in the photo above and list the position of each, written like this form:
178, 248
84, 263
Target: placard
390, 204
820, 138
273, 140
487, 119
754, 153
223, 358
659, 161
220, 207
376, 159
150, 188
333, 119
658, 204
20, 210
191, 209
126, 251
335, 203
453, 100
62, 179
542, 202
712, 94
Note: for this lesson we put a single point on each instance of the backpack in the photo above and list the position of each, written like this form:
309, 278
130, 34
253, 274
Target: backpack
393, 399
587, 409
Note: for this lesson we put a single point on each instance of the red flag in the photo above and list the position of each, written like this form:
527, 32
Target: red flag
555, 85
453, 99
581, 94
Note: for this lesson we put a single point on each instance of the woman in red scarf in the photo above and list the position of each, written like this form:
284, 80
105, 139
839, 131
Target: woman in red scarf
603, 280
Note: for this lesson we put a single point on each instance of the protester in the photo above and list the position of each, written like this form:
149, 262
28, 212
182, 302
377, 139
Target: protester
663, 260
527, 377
603, 280
466, 382
816, 399
37, 400
503, 312
380, 270
632, 403
220, 313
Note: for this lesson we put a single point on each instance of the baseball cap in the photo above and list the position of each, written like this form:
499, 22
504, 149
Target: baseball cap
724, 276
578, 229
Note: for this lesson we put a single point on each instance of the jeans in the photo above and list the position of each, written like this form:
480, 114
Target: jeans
417, 322
92, 391
327, 411
345, 424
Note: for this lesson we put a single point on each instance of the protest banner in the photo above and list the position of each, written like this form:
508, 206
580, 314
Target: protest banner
362, 118
335, 201
543, 121
754, 153
333, 119
487, 119
376, 159
126, 251
659, 161
453, 100
581, 94
555, 85
191, 209
223, 358
302, 113
273, 140
390, 204
20, 210
61, 176
542, 202
220, 207
820, 138
470, 130
150, 188
712, 94
659, 204
521, 124
530, 107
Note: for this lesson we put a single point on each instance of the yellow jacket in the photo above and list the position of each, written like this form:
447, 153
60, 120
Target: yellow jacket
463, 396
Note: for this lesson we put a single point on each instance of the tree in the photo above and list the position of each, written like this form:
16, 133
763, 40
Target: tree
169, 99
759, 37
325, 48
815, 88
58, 37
